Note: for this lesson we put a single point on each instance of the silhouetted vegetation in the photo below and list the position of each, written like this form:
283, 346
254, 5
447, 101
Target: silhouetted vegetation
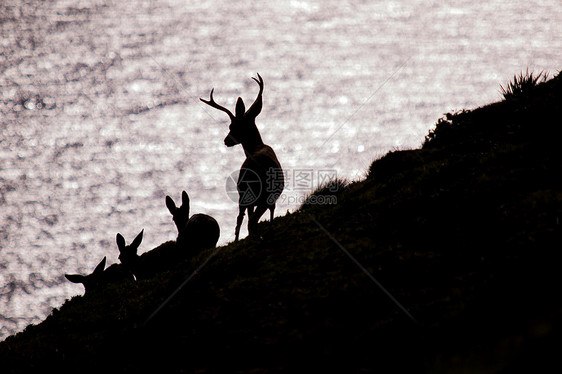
464, 232
533, 110
326, 193
522, 85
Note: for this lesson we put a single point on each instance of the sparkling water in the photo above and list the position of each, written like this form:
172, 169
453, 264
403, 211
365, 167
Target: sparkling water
100, 116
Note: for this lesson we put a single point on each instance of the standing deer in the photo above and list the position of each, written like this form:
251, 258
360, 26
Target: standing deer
261, 180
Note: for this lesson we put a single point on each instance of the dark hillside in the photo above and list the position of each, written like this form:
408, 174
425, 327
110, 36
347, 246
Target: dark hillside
464, 233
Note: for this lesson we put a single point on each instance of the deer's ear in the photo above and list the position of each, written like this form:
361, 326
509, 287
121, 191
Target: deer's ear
120, 242
100, 267
240, 108
255, 109
184, 199
135, 244
75, 278
171, 205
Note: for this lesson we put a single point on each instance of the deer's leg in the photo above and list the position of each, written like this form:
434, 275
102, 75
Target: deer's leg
250, 214
241, 211
271, 211
255, 217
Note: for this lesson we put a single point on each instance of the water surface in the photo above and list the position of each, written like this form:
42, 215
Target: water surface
100, 117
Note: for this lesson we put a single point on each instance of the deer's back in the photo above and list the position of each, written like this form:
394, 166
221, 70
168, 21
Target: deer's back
160, 259
117, 273
264, 156
201, 231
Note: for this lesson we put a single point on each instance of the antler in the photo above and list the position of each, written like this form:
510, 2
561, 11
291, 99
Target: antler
260, 82
212, 103
255, 109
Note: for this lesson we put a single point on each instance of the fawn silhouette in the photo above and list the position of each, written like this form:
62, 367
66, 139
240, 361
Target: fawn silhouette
150, 263
101, 276
197, 232
260, 181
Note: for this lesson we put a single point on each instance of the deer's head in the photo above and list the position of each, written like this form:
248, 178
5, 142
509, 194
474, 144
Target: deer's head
128, 253
180, 215
90, 281
243, 123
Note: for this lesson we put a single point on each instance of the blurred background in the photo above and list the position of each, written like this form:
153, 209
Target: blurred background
100, 116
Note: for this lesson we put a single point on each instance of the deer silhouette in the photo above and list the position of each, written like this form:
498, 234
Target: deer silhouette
147, 265
101, 276
260, 181
160, 259
197, 232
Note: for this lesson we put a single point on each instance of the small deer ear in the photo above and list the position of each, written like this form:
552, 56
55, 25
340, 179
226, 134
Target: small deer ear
184, 198
240, 108
185, 204
135, 244
170, 205
100, 268
120, 242
75, 278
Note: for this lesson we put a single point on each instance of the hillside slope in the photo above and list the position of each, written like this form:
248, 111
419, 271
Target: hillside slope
464, 234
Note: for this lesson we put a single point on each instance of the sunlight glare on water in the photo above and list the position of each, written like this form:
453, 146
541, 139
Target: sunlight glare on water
101, 118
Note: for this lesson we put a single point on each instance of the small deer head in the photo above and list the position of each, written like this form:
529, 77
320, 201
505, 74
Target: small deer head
242, 127
180, 215
91, 281
128, 253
